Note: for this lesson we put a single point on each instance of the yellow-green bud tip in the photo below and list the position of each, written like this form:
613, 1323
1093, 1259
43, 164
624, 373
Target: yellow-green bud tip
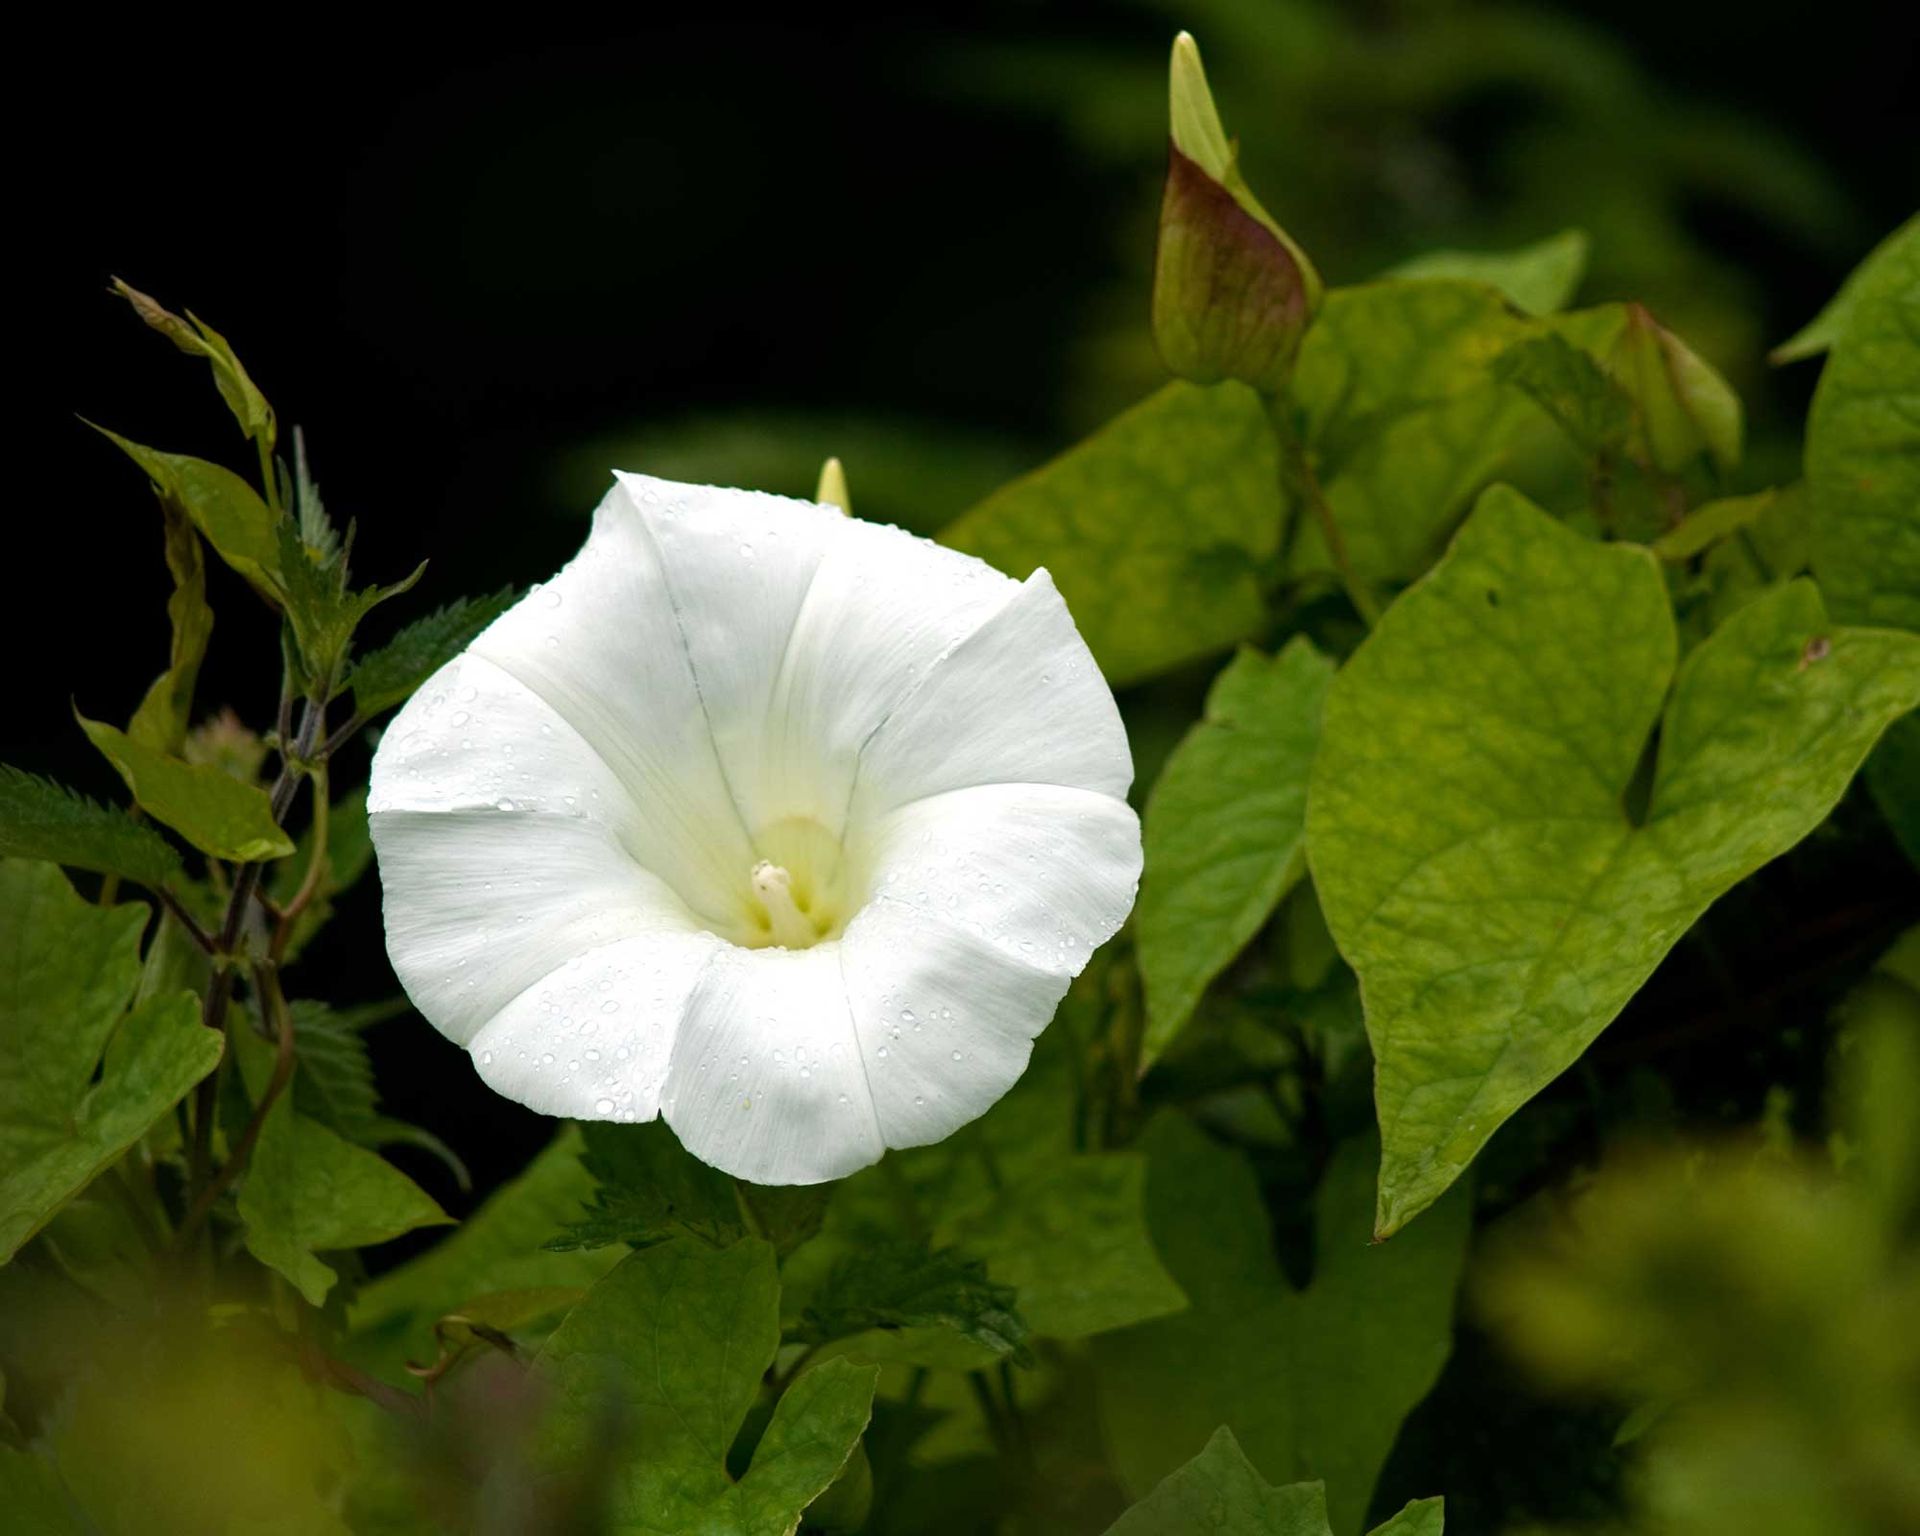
1194, 120
833, 487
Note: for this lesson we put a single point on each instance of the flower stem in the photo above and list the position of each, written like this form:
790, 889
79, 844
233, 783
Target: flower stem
317, 867
273, 1003
1299, 482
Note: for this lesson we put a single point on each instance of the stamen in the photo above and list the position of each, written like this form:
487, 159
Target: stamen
792, 929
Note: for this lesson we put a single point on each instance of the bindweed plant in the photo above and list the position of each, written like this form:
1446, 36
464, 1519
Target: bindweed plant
982, 1105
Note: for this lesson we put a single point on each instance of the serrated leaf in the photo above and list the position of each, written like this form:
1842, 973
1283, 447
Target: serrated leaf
215, 812
654, 1372
334, 1081
388, 676
228, 512
308, 1190
43, 820
322, 608
198, 339
67, 972
1315, 1381
1825, 328
649, 1188
1863, 447
1220, 1490
164, 714
1467, 826
899, 1284
1541, 278
1152, 528
1225, 828
497, 1248
316, 528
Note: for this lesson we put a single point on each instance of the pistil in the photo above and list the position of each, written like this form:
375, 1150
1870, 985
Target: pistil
791, 928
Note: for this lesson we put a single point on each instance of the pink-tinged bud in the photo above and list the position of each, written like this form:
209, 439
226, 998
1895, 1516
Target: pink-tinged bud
1232, 293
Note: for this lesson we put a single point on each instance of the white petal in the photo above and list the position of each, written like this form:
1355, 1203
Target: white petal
592, 1040
946, 1022
1046, 875
1019, 700
474, 738
880, 609
480, 905
767, 1081
739, 566
602, 645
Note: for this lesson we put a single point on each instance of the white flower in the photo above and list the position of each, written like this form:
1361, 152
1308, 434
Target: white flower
789, 827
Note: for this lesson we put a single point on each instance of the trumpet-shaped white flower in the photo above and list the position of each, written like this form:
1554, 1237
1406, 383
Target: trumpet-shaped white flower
788, 827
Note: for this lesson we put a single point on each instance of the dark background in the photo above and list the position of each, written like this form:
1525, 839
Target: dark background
481, 268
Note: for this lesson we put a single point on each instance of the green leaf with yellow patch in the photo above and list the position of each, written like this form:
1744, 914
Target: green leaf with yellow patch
1469, 825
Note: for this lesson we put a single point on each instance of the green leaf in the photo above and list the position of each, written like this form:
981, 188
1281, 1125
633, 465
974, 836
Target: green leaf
43, 820
322, 608
1423, 1517
1893, 777
1682, 407
1711, 524
1226, 828
388, 676
164, 714
198, 339
1152, 528
1313, 1382
1220, 1490
228, 512
653, 1373
1467, 825
897, 1283
1541, 278
1863, 447
1407, 419
316, 528
1570, 386
69, 971
1070, 1238
334, 1083
497, 1248
786, 1215
650, 1188
1877, 1048
1824, 329
212, 810
309, 1190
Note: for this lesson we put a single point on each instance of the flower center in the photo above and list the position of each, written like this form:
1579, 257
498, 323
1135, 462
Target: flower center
796, 894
